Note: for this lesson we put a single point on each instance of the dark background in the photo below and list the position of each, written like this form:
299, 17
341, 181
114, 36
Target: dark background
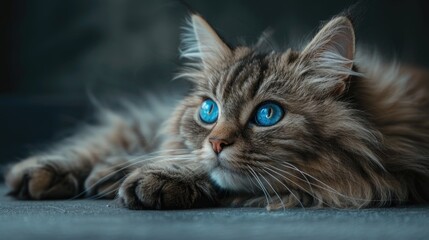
56, 53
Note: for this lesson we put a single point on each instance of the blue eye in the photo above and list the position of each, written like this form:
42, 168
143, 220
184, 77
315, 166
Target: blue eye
268, 114
209, 111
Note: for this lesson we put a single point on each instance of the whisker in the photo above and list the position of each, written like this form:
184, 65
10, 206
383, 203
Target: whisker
269, 184
289, 190
100, 196
303, 189
314, 178
327, 187
290, 180
131, 162
146, 156
259, 183
251, 180
272, 167
305, 177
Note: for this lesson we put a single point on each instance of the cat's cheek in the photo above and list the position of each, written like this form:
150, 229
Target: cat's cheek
193, 134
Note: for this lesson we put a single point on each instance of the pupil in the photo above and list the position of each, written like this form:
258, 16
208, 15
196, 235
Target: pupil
270, 113
210, 108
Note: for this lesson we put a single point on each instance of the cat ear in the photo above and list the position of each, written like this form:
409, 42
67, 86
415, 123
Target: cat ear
330, 55
201, 42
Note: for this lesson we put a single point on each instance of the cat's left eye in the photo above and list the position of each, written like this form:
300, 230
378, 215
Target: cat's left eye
268, 114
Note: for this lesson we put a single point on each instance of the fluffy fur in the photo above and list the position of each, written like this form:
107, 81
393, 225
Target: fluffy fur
355, 134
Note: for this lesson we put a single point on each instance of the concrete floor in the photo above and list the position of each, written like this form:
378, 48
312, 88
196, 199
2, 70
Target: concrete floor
101, 219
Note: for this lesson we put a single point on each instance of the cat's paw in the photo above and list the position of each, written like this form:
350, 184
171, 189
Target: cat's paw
163, 189
36, 178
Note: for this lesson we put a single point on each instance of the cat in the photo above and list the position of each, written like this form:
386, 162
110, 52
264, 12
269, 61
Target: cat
321, 127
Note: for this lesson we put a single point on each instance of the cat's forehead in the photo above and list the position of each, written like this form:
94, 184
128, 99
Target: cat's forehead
242, 78
250, 78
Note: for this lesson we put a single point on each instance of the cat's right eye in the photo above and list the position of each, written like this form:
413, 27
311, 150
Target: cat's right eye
209, 111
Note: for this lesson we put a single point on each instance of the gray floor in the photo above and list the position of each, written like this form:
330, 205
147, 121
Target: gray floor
90, 219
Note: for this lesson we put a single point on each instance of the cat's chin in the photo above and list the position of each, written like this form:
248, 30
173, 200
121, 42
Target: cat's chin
229, 180
222, 174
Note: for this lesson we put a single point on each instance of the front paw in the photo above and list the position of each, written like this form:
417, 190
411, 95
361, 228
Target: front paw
165, 189
41, 178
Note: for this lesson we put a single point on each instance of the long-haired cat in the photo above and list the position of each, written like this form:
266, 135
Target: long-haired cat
325, 126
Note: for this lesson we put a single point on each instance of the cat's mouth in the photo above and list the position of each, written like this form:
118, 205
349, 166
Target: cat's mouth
223, 165
227, 177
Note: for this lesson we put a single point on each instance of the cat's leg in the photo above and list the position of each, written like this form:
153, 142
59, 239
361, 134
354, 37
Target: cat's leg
179, 187
61, 172
106, 177
167, 186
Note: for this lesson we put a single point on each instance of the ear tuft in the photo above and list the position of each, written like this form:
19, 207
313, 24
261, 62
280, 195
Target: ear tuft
330, 55
336, 37
200, 42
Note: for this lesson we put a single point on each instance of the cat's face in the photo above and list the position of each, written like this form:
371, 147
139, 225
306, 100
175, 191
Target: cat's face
260, 120
270, 118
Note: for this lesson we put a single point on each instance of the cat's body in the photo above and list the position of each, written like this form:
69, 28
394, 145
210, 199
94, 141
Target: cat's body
350, 131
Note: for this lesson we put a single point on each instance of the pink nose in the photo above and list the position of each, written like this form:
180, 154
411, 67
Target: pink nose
218, 144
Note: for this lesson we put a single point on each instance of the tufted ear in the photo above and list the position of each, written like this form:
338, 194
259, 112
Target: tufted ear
330, 55
201, 42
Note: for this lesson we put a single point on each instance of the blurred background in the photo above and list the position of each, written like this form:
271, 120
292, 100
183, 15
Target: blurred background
56, 53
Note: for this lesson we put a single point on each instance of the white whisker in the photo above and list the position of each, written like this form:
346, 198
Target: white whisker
260, 184
275, 192
288, 189
132, 162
